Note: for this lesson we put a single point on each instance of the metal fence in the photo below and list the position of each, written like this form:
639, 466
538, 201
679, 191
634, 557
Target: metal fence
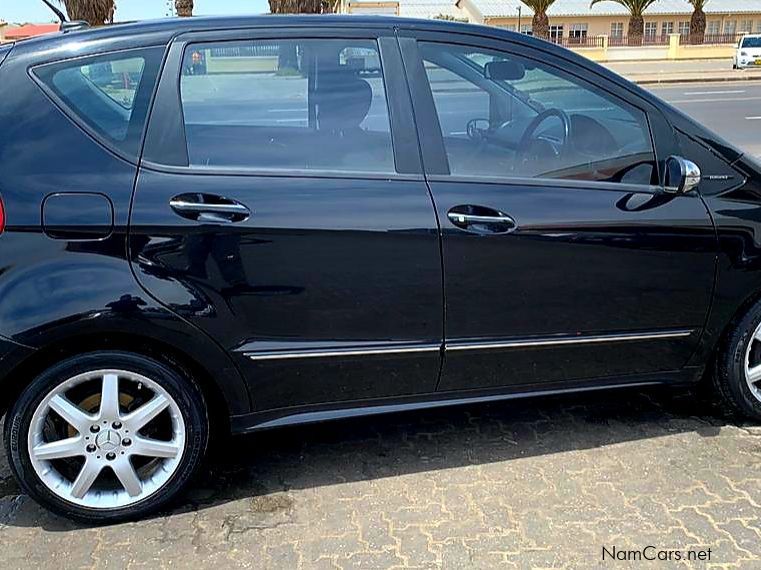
247, 50
582, 41
711, 39
647, 40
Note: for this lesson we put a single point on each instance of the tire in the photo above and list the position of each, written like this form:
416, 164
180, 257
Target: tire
738, 394
142, 385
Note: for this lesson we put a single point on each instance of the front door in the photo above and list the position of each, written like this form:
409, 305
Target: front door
564, 259
281, 207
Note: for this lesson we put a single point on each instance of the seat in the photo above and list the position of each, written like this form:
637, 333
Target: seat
343, 101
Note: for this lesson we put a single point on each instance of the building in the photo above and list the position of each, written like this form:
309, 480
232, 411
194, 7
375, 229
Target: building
10, 33
427, 9
575, 19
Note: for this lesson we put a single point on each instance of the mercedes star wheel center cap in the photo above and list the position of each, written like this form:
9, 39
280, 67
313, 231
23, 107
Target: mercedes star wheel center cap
108, 440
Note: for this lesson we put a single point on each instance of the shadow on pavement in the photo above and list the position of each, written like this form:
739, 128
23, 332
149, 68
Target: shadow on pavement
262, 467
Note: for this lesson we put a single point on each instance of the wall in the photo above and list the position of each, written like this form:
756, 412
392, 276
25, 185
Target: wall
671, 51
381, 7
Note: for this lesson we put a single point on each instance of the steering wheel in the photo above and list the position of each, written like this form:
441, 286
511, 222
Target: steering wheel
477, 129
529, 135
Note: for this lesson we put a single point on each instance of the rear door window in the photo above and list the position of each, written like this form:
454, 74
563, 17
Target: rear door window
107, 94
305, 104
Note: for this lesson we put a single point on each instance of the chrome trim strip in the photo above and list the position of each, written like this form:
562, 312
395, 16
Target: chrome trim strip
342, 352
561, 341
464, 345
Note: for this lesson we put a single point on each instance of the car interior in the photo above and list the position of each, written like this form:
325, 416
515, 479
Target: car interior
539, 123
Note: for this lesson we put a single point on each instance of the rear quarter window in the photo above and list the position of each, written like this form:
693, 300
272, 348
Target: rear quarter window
108, 94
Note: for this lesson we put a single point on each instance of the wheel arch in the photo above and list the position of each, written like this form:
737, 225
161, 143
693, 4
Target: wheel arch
220, 388
722, 326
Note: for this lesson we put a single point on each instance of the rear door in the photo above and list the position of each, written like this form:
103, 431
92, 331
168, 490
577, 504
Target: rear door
281, 207
564, 258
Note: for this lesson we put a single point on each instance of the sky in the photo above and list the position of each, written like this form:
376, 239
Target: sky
36, 11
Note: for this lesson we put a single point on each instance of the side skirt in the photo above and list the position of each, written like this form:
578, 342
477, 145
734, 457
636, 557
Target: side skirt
339, 410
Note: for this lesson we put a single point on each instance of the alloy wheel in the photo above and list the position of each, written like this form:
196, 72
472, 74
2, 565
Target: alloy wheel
753, 364
106, 439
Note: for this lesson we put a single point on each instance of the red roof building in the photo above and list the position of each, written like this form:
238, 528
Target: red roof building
11, 33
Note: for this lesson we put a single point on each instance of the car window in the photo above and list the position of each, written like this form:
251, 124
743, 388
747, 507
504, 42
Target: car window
754, 42
504, 115
102, 92
290, 104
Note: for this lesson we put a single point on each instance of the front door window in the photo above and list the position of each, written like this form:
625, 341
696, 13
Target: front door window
508, 116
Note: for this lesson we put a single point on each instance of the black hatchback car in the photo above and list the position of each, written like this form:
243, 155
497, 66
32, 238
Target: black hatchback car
237, 224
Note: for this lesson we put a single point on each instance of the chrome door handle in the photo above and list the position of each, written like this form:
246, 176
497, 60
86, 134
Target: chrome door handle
457, 219
480, 219
209, 208
197, 208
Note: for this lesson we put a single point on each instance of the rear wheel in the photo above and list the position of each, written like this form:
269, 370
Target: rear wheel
738, 367
107, 436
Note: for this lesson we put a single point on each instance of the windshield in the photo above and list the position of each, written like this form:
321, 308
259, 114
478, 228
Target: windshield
478, 61
754, 42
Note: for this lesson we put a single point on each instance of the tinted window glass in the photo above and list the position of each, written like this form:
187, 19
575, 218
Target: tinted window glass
295, 104
503, 115
752, 42
108, 93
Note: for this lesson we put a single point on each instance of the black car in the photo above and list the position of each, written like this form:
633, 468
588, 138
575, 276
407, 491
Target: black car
243, 223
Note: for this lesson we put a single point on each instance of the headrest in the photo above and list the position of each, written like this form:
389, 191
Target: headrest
343, 100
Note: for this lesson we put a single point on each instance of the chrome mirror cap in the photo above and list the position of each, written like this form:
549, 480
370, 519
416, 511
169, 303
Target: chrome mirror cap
682, 175
691, 177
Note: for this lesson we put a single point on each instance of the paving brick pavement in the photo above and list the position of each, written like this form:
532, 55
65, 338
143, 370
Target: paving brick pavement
526, 484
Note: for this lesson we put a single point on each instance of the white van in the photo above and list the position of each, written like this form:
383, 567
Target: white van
748, 52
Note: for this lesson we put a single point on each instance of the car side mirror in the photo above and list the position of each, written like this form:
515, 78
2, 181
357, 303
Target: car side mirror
504, 71
682, 175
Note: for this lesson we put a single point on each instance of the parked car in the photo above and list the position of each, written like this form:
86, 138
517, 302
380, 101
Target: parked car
748, 52
252, 228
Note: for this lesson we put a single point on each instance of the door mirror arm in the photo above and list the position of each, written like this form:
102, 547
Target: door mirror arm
682, 175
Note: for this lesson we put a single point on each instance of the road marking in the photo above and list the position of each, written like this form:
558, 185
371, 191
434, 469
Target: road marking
753, 118
712, 92
714, 100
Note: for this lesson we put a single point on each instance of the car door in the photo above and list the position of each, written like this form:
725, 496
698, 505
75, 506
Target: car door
565, 260
281, 208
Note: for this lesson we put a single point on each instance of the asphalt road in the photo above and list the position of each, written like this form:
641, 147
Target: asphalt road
733, 110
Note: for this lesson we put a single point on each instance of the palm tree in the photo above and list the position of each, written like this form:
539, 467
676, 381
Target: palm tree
95, 12
303, 6
541, 23
636, 21
183, 8
697, 21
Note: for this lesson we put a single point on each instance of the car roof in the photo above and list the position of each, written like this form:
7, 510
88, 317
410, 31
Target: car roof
154, 32
162, 30
173, 26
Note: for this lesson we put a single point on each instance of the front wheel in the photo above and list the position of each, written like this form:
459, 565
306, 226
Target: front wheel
737, 376
107, 436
